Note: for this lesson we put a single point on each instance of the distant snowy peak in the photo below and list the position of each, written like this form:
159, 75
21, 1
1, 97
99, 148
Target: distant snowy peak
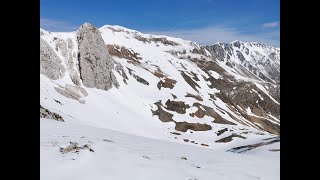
253, 60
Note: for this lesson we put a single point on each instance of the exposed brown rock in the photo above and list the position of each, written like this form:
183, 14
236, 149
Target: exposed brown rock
177, 106
229, 138
184, 126
204, 144
174, 96
210, 112
166, 83
197, 97
163, 115
159, 73
199, 113
123, 52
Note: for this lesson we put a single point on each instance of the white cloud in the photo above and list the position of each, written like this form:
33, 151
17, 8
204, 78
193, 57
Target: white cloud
211, 35
271, 24
56, 25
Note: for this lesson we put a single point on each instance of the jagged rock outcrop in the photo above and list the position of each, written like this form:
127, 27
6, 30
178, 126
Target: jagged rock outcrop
95, 63
50, 63
45, 113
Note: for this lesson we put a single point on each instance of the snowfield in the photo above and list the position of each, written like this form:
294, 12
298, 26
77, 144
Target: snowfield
122, 156
128, 138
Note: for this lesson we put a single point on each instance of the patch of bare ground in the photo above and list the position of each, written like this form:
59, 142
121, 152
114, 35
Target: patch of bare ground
210, 112
123, 52
197, 97
268, 126
158, 73
174, 96
184, 126
177, 106
244, 98
229, 138
166, 83
199, 113
163, 115
204, 144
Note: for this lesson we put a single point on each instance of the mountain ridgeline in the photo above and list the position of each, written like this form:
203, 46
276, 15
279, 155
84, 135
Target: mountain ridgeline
161, 87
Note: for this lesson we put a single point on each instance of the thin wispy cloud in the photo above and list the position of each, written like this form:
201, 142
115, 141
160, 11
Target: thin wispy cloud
56, 25
271, 24
211, 35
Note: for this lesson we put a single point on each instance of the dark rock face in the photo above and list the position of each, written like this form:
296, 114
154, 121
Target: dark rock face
189, 80
163, 115
140, 79
217, 51
45, 113
229, 138
177, 106
184, 126
95, 63
166, 83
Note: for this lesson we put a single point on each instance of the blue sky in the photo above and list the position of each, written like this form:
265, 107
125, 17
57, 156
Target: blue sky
202, 21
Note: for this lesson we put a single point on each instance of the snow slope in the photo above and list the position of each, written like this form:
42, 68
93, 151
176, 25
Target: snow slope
170, 91
122, 156
249, 59
129, 108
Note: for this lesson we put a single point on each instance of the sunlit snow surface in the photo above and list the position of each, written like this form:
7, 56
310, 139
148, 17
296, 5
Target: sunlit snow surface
122, 156
124, 116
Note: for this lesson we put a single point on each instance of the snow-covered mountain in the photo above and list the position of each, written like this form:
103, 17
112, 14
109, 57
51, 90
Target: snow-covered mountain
221, 97
249, 59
